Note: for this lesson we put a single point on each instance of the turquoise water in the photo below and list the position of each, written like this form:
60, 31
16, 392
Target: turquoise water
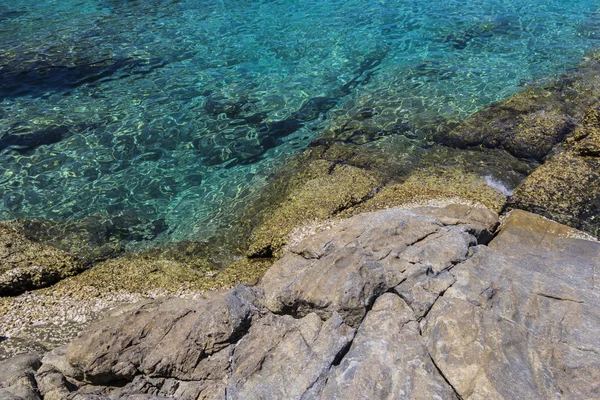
174, 112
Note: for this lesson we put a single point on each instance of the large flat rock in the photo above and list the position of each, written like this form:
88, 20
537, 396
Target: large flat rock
522, 319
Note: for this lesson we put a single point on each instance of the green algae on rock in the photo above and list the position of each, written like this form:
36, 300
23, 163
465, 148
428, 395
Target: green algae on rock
424, 186
326, 188
94, 238
567, 187
530, 123
26, 265
337, 179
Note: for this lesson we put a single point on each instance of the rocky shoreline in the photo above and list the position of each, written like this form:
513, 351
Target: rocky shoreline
373, 265
425, 303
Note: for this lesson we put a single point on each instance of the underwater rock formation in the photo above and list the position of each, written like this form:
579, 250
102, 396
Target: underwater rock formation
530, 123
94, 238
394, 303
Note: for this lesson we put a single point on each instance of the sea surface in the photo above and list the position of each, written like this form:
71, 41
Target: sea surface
174, 112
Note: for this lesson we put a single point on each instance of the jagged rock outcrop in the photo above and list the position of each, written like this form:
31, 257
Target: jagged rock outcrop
344, 269
389, 304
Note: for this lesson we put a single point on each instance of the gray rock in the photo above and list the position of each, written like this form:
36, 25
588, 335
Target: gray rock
422, 290
285, 358
344, 269
17, 380
517, 318
388, 359
523, 317
169, 347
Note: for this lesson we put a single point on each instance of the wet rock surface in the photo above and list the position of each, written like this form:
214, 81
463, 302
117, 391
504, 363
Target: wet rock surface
567, 187
389, 304
26, 265
530, 123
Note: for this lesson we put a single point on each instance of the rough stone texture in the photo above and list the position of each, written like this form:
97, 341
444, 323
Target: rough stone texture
527, 125
344, 269
41, 320
285, 358
26, 265
567, 187
390, 304
521, 321
17, 380
141, 341
388, 359
433, 183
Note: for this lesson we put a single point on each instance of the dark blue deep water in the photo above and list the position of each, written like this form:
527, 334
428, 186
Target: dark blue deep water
176, 110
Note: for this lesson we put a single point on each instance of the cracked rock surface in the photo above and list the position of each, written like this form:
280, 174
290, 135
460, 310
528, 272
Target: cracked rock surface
393, 304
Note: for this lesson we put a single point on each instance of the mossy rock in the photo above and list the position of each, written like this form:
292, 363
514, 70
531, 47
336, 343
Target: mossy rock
537, 133
94, 238
26, 265
530, 123
592, 116
326, 188
436, 185
565, 189
586, 141
175, 268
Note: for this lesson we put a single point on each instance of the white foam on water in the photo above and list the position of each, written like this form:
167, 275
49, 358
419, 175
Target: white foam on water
496, 184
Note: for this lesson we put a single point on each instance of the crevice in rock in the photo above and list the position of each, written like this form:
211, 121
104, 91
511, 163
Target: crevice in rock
423, 238
444, 376
432, 304
548, 296
342, 353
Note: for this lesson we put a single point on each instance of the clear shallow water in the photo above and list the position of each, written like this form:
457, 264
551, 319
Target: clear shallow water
177, 110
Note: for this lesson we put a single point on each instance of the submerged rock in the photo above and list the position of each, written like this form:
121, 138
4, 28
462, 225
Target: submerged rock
530, 123
94, 238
